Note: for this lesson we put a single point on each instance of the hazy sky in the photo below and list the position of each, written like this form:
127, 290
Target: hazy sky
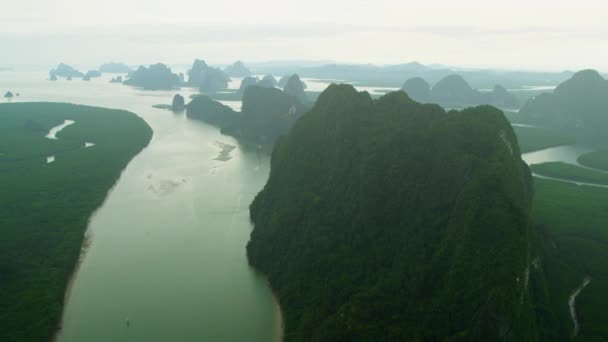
541, 34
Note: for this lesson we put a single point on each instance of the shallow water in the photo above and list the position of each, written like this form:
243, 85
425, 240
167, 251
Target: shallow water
167, 247
567, 154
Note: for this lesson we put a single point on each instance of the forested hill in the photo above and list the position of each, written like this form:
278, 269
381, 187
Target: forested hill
579, 104
267, 113
392, 220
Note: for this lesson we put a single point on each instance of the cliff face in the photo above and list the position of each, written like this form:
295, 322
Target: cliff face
206, 78
267, 113
393, 220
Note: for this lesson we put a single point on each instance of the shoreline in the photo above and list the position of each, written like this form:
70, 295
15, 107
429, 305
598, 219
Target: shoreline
279, 322
87, 241
84, 248
280, 333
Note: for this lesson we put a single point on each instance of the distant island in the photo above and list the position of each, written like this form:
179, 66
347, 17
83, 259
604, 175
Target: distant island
579, 104
115, 68
376, 224
283, 81
177, 106
454, 92
117, 79
238, 69
267, 81
206, 78
267, 113
178, 103
295, 87
91, 74
156, 77
66, 71
395, 74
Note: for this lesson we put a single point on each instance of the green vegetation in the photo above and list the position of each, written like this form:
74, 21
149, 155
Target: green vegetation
574, 220
596, 159
267, 81
267, 113
206, 78
295, 87
238, 69
571, 172
64, 70
156, 77
453, 91
206, 109
376, 224
45, 208
580, 104
537, 138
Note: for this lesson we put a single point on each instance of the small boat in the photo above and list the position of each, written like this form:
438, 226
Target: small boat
127, 322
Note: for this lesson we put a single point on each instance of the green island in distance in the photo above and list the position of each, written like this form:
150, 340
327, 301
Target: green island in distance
45, 204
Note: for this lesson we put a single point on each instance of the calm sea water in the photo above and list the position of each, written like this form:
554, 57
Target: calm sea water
167, 248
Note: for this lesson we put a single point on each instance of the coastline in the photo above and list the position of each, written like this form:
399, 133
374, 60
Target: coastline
88, 240
86, 244
280, 333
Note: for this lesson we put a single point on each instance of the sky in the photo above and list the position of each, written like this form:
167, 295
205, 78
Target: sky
513, 34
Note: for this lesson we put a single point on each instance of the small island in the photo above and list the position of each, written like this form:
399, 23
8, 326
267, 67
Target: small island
295, 87
206, 78
66, 71
238, 69
177, 106
267, 113
91, 74
156, 77
267, 81
115, 68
